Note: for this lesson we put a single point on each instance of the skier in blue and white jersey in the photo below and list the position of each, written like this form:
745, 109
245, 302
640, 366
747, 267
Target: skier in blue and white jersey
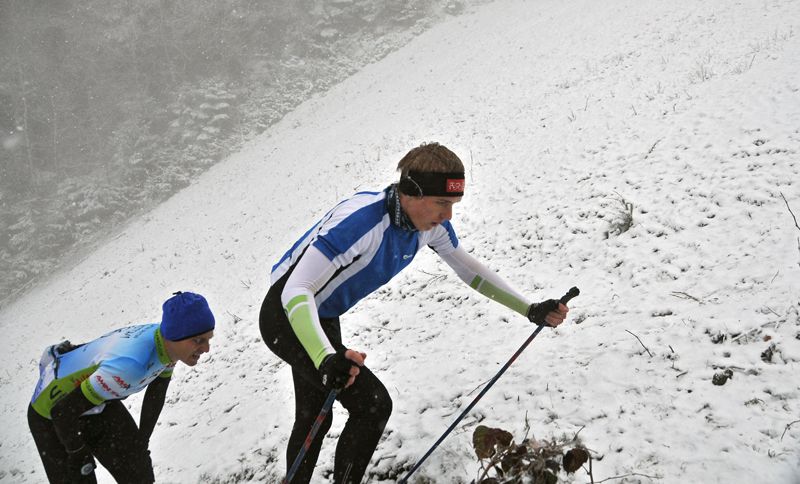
76, 413
358, 246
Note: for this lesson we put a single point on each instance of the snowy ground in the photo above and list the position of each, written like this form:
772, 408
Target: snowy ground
568, 115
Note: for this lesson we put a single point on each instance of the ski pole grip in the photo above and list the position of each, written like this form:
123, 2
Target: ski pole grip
569, 295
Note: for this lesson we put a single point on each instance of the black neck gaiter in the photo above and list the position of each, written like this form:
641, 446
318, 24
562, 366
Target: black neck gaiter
396, 213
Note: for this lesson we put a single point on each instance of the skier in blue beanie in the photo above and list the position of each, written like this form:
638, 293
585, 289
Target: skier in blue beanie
76, 413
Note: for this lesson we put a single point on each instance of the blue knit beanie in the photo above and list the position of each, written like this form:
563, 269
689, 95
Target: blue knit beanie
186, 314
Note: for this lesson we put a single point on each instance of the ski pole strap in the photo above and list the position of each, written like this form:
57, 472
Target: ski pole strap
564, 300
326, 407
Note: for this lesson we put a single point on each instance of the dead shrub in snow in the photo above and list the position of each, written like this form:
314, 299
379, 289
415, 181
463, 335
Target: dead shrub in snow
622, 220
703, 70
533, 461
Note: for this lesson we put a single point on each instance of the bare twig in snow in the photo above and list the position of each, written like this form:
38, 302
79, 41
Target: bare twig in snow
628, 475
798, 248
790, 210
746, 333
650, 151
787, 427
434, 277
477, 387
683, 295
572, 116
640, 342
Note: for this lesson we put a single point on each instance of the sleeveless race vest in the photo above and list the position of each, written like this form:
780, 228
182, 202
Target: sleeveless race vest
111, 367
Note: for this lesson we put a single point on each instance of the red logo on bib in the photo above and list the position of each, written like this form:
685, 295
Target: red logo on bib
455, 185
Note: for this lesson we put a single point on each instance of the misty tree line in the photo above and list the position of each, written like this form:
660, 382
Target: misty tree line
108, 107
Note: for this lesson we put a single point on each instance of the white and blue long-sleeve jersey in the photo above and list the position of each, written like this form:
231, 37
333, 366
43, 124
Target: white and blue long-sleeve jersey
364, 247
355, 249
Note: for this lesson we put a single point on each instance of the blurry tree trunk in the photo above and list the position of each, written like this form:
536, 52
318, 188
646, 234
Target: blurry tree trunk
25, 124
54, 141
166, 43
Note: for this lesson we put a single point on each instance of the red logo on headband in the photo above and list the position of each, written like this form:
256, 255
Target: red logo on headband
455, 185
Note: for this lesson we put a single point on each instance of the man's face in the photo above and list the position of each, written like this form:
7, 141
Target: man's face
428, 212
189, 350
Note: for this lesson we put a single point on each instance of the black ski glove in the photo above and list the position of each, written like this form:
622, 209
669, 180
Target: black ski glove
335, 371
538, 311
80, 465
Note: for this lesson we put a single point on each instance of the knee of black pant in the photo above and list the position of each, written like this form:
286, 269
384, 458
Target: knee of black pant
127, 461
385, 409
379, 407
142, 475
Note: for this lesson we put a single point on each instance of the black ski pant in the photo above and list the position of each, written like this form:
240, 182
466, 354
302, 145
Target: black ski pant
112, 436
366, 400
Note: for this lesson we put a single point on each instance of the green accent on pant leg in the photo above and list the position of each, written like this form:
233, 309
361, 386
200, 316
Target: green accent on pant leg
299, 313
493, 292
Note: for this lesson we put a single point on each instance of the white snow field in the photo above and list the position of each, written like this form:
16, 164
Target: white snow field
644, 151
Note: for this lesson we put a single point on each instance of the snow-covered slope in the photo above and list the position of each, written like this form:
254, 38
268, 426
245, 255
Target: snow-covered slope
683, 117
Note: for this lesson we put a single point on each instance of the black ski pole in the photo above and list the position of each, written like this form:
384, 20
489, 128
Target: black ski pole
326, 407
564, 299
